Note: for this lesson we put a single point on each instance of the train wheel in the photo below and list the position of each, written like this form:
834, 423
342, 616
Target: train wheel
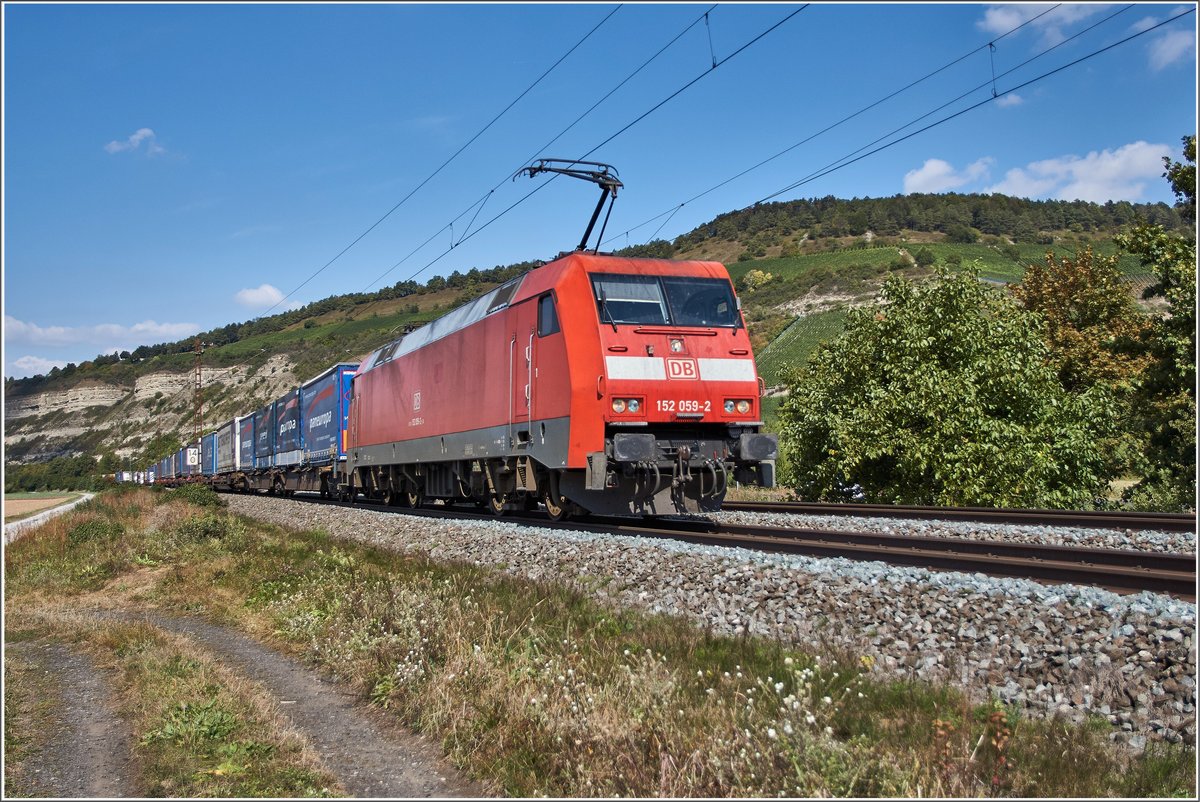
496, 506
557, 510
414, 499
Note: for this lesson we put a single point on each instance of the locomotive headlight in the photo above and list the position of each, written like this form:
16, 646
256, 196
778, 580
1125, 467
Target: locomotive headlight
618, 405
676, 345
729, 406
743, 407
635, 404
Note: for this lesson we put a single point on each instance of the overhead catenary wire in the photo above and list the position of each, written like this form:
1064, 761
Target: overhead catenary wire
478, 205
834, 166
992, 81
444, 164
622, 130
543, 185
842, 162
830, 127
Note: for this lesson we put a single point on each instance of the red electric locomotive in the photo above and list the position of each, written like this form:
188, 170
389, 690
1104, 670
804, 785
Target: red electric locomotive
594, 383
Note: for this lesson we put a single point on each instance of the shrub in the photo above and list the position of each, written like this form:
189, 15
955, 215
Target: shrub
961, 233
209, 525
200, 495
94, 529
755, 279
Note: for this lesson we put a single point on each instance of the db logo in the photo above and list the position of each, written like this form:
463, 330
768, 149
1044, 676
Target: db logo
681, 368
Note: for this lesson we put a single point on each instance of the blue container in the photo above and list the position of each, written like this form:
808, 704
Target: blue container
245, 442
289, 439
208, 454
325, 402
264, 436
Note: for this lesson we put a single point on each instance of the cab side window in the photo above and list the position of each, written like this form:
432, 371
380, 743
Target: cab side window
547, 316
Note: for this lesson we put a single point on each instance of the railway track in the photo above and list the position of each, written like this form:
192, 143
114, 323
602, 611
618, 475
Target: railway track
1160, 521
1122, 571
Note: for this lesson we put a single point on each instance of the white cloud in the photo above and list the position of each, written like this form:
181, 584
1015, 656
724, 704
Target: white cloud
1022, 184
936, 175
1011, 99
263, 296
1100, 176
998, 19
32, 365
135, 140
105, 337
1143, 24
1172, 46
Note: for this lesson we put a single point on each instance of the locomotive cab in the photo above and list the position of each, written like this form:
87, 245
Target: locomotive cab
678, 393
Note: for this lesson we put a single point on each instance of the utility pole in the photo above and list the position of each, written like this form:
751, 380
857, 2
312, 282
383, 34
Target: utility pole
199, 349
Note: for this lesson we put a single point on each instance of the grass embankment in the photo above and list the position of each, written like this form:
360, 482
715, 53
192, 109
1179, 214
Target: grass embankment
536, 689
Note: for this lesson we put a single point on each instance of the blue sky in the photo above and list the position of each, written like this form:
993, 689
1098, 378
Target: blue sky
171, 168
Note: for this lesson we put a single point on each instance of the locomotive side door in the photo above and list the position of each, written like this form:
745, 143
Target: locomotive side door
522, 345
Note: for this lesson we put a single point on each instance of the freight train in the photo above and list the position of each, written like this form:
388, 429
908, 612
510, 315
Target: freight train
592, 384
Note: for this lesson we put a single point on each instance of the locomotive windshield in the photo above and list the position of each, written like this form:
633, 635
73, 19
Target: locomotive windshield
664, 300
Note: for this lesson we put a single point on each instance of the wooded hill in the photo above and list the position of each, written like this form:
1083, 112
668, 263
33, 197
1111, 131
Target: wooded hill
814, 247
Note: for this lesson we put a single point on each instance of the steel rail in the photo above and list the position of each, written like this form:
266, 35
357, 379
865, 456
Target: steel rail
1163, 521
1119, 570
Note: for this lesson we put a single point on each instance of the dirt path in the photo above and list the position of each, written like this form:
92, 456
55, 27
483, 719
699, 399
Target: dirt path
88, 751
369, 755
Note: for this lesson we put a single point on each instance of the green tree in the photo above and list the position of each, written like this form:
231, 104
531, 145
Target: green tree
1182, 176
961, 233
1095, 332
943, 394
924, 257
1165, 405
1090, 321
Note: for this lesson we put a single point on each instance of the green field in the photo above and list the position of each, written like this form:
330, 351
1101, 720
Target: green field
792, 348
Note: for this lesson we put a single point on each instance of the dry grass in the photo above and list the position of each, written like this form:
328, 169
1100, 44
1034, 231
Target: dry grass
201, 729
538, 690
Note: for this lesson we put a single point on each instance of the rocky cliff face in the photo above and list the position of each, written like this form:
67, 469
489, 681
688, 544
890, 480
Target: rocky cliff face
95, 417
98, 395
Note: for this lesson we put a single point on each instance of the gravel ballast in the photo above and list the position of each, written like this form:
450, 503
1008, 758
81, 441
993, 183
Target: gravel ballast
1060, 650
1086, 537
